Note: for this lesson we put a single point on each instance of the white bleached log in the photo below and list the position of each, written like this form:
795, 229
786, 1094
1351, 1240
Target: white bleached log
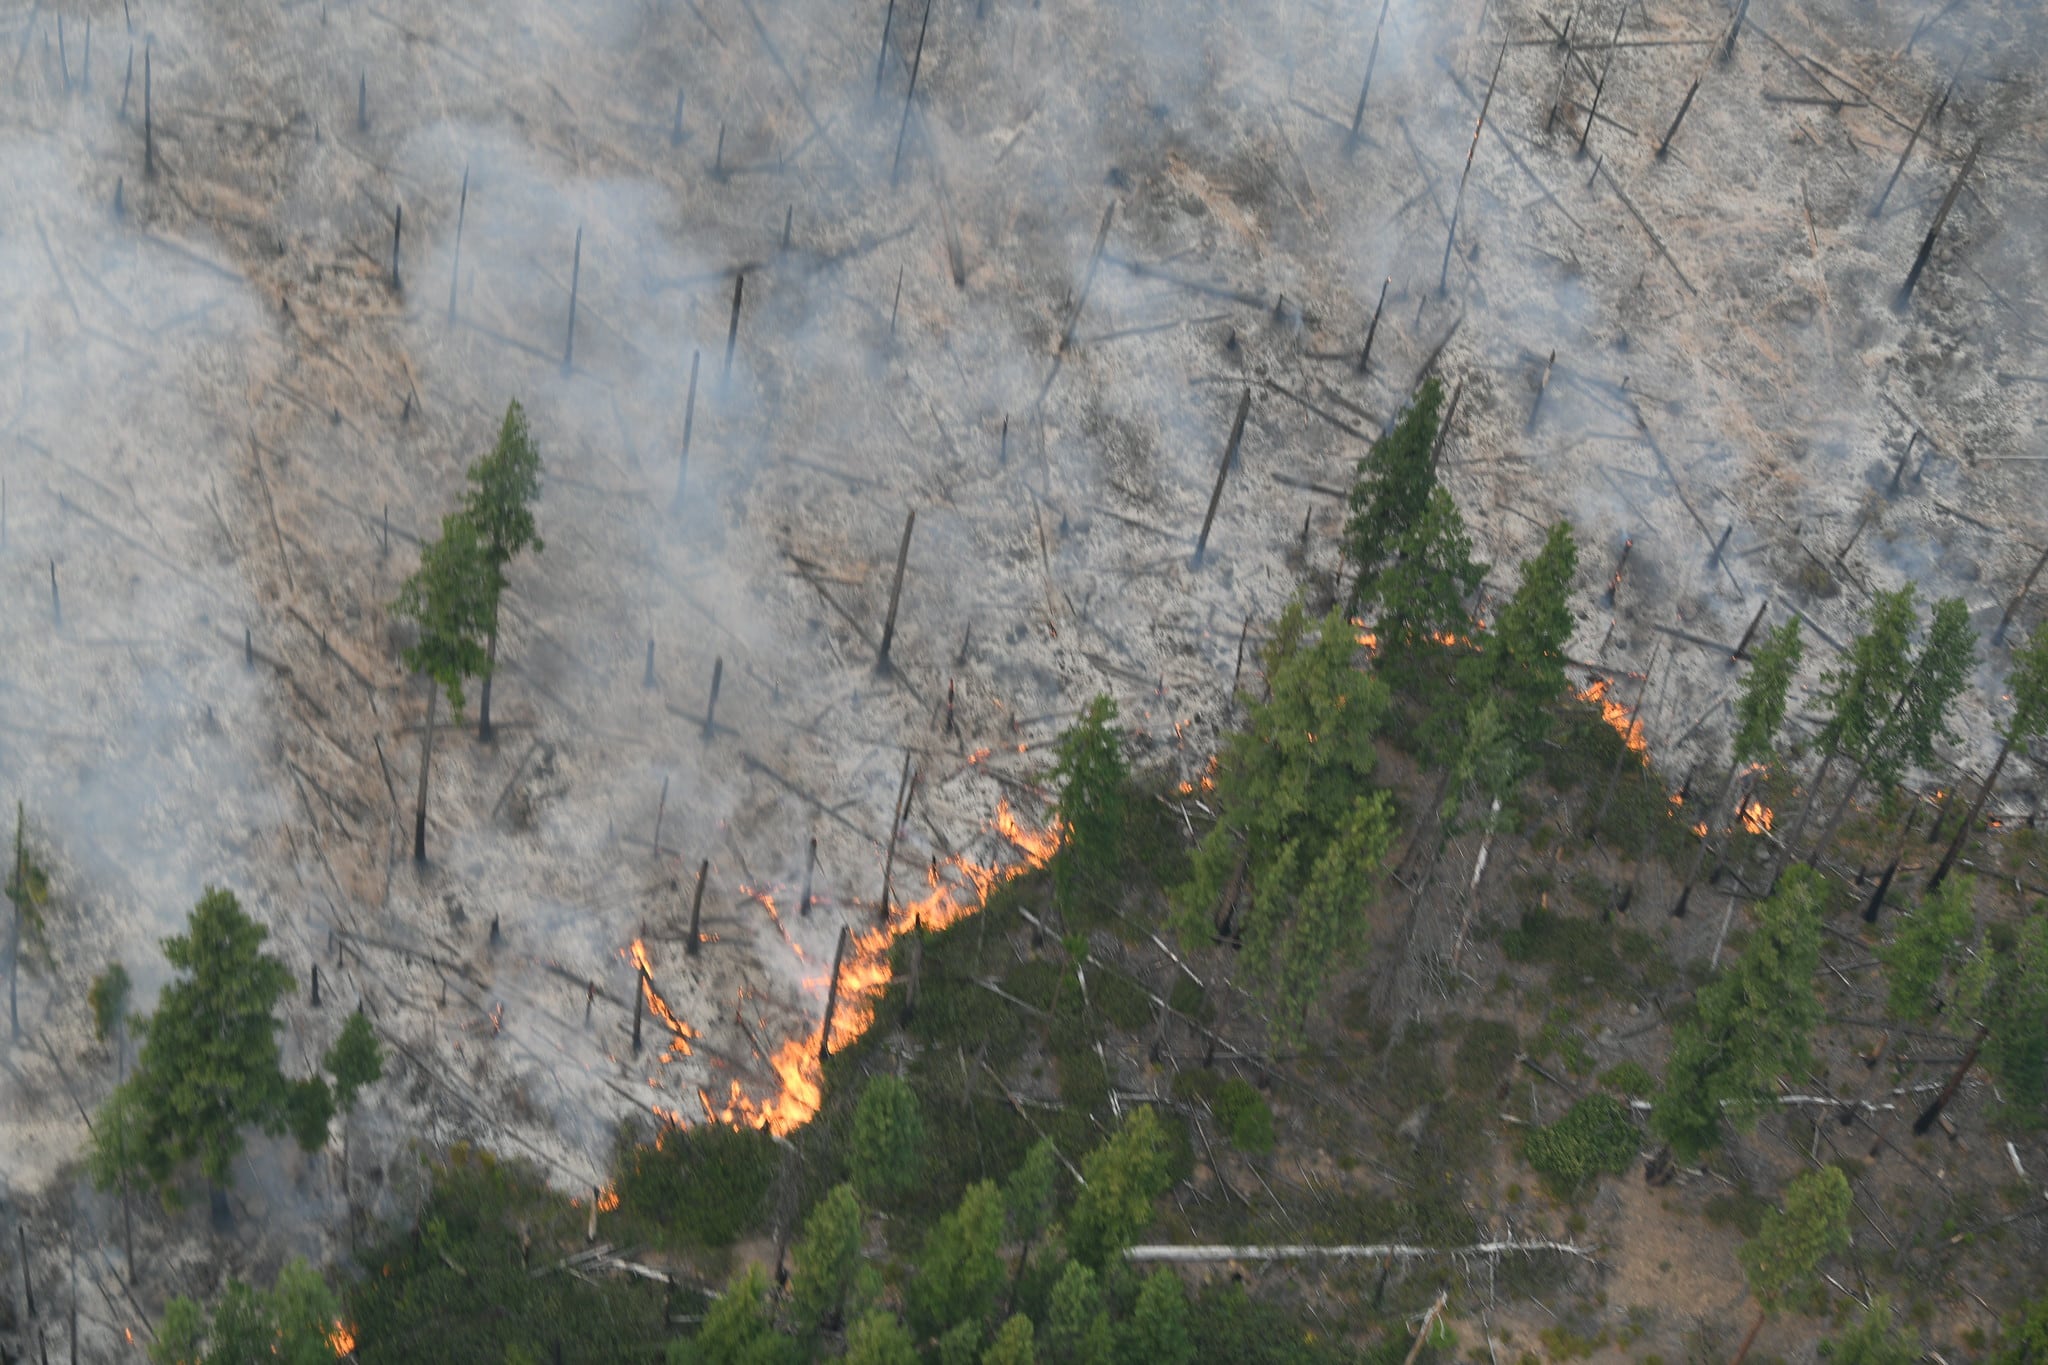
1379, 1251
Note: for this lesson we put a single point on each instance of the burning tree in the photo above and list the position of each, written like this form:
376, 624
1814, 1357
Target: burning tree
1759, 713
452, 597
2028, 683
1093, 805
1782, 1262
503, 487
209, 1062
1391, 492
1299, 831
1749, 1027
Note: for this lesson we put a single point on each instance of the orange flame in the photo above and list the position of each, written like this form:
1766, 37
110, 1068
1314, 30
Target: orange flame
958, 889
1615, 714
1757, 817
680, 1044
342, 1338
767, 900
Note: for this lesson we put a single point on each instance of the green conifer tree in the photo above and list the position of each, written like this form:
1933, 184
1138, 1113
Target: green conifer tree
503, 487
450, 598
1750, 1025
1391, 492
209, 1066
1093, 804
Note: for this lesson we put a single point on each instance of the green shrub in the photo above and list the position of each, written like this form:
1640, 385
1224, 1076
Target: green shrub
1189, 999
1595, 1136
1084, 1081
1034, 981
1244, 1114
1629, 1078
461, 1288
1484, 1055
704, 1185
1122, 1001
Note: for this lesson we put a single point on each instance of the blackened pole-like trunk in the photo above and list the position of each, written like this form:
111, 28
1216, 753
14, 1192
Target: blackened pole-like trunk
1955, 849
1932, 1112
20, 887
483, 724
1820, 779
1742, 1351
1699, 853
832, 998
419, 816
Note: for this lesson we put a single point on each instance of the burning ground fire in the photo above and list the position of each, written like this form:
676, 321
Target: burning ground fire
679, 1044
1615, 714
342, 1339
958, 886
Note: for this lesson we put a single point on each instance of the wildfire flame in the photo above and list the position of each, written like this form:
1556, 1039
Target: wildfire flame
680, 1044
767, 900
958, 888
1615, 714
1756, 817
342, 1338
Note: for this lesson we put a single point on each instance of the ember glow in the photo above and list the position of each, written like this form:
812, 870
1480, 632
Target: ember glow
342, 1339
1615, 714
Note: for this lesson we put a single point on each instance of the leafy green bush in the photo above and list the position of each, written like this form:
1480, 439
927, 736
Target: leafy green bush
1244, 1114
1190, 999
704, 1185
1122, 1001
1586, 956
1484, 1055
1629, 1078
461, 1291
1595, 1136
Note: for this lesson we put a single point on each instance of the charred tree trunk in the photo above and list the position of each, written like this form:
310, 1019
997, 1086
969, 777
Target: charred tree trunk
1932, 1112
1742, 1351
483, 722
419, 816
1955, 849
1805, 812
1699, 853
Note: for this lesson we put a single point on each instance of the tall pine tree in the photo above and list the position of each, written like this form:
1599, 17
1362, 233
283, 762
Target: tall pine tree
503, 487
1391, 492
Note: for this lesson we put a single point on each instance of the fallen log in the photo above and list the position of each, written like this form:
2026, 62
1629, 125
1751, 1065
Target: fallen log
1385, 1250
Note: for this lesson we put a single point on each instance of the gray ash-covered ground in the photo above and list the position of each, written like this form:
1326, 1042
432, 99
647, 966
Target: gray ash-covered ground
213, 392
